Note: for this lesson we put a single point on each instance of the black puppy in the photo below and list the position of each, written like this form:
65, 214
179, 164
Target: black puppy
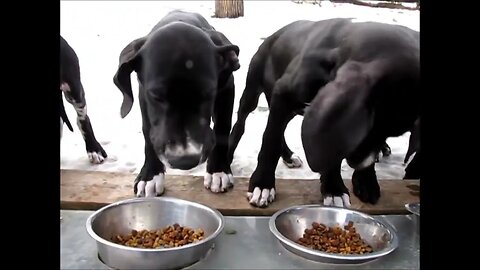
184, 69
351, 81
72, 88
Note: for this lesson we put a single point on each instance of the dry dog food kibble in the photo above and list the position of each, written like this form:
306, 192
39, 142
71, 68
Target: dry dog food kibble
171, 236
334, 239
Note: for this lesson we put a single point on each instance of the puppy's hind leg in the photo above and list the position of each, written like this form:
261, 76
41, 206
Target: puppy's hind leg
248, 103
289, 158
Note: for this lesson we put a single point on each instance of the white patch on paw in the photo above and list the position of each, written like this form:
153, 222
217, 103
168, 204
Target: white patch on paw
95, 158
261, 198
65, 87
343, 201
296, 162
152, 188
218, 182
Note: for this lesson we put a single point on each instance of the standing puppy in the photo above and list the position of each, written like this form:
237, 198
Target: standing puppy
184, 69
72, 88
351, 82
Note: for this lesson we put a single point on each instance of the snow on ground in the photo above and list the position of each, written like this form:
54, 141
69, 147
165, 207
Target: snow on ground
99, 30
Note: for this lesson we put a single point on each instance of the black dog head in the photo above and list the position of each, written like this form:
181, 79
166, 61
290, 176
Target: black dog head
352, 116
338, 122
179, 68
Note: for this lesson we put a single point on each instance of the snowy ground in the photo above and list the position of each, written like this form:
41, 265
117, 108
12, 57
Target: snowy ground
98, 31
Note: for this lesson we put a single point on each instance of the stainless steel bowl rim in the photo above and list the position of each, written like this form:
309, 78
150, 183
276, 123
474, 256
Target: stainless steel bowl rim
145, 199
310, 251
410, 208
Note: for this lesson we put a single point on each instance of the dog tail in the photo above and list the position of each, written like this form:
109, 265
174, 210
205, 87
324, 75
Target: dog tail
63, 114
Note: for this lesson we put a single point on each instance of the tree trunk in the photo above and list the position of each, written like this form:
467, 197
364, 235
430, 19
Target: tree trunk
228, 8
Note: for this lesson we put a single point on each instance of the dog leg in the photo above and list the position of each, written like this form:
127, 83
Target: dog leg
76, 97
150, 182
365, 184
289, 158
218, 177
248, 103
261, 189
333, 189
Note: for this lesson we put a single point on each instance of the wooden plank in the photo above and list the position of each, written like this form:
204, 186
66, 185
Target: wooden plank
90, 190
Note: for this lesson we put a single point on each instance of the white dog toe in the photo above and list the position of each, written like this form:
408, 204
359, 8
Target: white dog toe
152, 188
95, 158
218, 182
338, 201
261, 198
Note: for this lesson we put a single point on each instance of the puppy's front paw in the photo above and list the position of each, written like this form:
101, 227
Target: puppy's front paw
152, 188
366, 192
261, 197
96, 154
339, 201
96, 157
294, 161
218, 182
365, 185
333, 190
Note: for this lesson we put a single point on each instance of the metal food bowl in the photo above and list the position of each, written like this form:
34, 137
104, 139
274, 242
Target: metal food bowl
289, 224
151, 214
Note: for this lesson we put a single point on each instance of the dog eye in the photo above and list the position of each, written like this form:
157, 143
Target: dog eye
159, 99
156, 96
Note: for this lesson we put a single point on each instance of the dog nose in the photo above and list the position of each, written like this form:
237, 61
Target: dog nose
184, 157
184, 162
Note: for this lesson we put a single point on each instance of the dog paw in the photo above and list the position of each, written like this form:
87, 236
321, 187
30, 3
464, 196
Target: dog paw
261, 198
365, 185
366, 193
293, 162
96, 157
339, 201
218, 182
152, 188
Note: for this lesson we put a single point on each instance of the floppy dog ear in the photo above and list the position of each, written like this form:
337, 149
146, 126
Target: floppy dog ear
229, 57
227, 51
128, 63
339, 118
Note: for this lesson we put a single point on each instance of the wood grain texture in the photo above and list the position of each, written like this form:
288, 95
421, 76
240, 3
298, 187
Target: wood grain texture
90, 190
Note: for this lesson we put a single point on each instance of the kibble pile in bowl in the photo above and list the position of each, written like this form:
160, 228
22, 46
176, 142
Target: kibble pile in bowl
167, 237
